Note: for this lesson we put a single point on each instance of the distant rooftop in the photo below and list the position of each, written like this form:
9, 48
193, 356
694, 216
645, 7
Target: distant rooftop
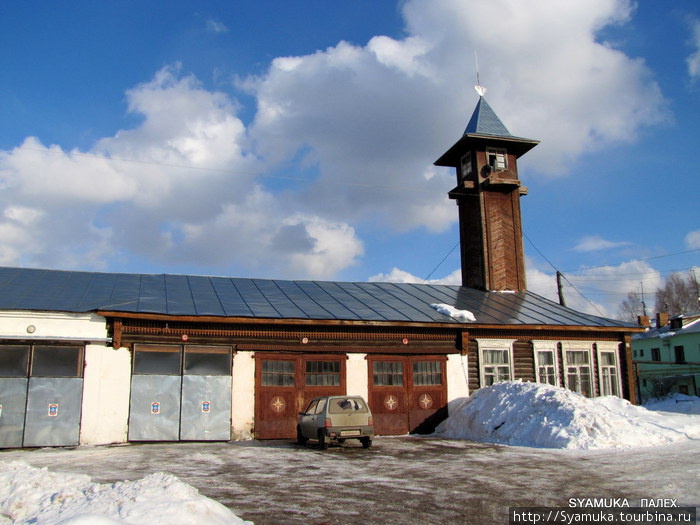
679, 325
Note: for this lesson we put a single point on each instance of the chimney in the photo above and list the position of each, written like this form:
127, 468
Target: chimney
643, 320
661, 319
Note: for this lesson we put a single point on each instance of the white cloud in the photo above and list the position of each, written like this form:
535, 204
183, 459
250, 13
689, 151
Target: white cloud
692, 240
187, 194
378, 114
334, 247
186, 185
591, 243
694, 59
216, 26
397, 275
604, 288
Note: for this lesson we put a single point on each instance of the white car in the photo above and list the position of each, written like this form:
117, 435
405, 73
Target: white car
336, 418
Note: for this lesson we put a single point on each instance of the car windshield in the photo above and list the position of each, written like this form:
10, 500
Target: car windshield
347, 404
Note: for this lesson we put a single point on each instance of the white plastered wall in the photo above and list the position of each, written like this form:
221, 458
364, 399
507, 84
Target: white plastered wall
243, 396
357, 380
457, 382
106, 389
52, 325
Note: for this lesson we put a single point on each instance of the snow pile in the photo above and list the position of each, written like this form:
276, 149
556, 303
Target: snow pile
537, 415
460, 315
676, 403
31, 495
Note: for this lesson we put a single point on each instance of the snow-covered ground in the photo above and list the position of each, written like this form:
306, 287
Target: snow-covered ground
651, 453
537, 415
36, 495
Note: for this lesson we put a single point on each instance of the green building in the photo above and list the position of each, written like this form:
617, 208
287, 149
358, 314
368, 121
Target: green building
666, 358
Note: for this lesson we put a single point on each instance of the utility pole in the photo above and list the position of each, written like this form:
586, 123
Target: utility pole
560, 289
644, 305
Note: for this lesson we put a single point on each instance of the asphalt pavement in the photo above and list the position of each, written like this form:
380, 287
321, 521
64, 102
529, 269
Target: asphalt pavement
399, 480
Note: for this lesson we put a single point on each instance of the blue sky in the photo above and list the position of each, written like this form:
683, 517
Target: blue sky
296, 139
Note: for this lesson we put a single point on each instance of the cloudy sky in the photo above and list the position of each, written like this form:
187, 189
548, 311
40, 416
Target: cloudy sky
297, 139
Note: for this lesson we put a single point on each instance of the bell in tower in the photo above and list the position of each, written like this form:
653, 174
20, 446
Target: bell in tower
488, 196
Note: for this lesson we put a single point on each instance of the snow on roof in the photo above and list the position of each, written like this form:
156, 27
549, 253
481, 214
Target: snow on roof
538, 415
33, 495
460, 315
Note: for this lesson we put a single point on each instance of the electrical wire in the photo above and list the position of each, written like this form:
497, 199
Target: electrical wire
564, 276
440, 263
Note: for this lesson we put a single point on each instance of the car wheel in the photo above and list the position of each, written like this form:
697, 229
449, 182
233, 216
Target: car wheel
300, 437
366, 442
322, 441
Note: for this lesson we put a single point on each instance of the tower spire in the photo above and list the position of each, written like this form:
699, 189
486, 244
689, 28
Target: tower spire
481, 90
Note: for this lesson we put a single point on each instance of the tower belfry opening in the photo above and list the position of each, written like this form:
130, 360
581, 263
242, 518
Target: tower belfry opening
488, 196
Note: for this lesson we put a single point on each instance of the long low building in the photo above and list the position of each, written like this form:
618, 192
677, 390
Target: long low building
104, 358
96, 358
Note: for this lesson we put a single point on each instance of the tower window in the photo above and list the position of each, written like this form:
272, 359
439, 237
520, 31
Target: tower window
497, 158
466, 165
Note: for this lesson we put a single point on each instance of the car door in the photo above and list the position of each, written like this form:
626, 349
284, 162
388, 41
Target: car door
306, 419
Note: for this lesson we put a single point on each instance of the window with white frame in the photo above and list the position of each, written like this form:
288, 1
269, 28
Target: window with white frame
577, 368
497, 158
546, 366
608, 369
495, 360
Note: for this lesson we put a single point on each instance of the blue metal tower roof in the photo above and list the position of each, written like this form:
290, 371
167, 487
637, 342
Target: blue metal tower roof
484, 121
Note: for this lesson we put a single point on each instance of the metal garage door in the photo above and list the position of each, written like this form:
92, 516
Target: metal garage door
41, 390
407, 393
285, 384
180, 393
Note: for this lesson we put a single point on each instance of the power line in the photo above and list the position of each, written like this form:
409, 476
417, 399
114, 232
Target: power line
564, 276
440, 263
626, 276
633, 260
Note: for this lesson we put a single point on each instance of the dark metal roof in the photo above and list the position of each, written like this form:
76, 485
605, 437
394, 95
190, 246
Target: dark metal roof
484, 121
188, 295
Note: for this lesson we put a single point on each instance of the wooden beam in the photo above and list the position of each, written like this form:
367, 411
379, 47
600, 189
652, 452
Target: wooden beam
352, 323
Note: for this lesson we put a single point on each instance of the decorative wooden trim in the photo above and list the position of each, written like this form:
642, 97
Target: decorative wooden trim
465, 342
369, 350
117, 333
359, 324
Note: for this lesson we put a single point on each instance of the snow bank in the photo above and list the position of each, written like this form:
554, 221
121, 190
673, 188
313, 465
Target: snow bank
676, 403
537, 415
32, 495
460, 315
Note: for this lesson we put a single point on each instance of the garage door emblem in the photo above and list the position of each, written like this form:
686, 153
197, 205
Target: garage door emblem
425, 401
277, 404
53, 409
390, 402
155, 407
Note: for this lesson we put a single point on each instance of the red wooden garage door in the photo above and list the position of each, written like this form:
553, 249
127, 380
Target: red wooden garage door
284, 384
407, 393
